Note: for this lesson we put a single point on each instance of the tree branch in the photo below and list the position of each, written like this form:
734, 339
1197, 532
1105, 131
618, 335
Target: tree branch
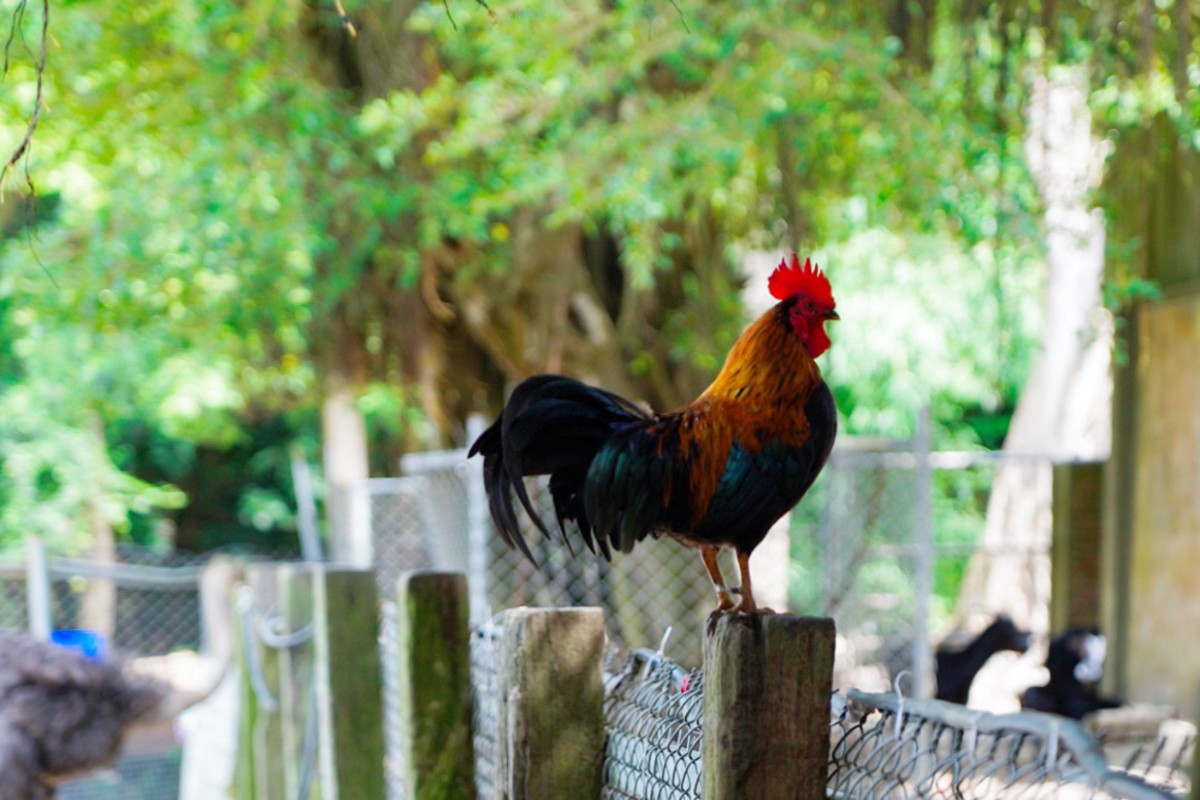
22, 149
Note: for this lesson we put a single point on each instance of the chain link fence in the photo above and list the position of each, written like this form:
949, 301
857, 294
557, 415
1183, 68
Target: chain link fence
887, 746
437, 518
485, 652
146, 603
881, 745
881, 544
14, 596
134, 777
393, 726
652, 712
1160, 755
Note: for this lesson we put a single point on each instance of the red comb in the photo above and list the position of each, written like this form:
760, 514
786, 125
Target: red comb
790, 280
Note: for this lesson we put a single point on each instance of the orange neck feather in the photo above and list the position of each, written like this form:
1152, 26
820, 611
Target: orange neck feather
768, 369
758, 396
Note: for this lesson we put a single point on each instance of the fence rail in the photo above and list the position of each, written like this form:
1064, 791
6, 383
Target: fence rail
882, 745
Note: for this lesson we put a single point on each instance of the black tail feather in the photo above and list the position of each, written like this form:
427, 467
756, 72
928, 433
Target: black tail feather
551, 425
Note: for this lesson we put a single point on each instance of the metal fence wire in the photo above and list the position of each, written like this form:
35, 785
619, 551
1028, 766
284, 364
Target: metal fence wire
14, 597
881, 745
393, 725
887, 746
485, 647
1162, 758
140, 776
652, 713
436, 517
880, 544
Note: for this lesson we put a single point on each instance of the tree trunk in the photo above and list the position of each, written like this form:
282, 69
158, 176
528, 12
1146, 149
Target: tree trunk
347, 504
98, 603
1064, 408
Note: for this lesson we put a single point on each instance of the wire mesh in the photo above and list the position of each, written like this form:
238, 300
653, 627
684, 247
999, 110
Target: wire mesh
886, 746
393, 733
867, 550
426, 521
485, 646
142, 776
147, 599
14, 603
882, 545
1161, 758
882, 745
652, 712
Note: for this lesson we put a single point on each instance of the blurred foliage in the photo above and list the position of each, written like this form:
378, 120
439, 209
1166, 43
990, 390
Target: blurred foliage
238, 206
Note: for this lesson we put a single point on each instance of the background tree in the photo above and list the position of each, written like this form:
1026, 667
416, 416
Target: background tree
249, 220
449, 212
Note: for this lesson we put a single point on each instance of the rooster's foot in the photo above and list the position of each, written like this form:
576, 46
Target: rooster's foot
760, 611
710, 624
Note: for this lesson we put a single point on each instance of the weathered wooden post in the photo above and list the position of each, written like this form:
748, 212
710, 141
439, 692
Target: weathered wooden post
1195, 776
346, 680
1075, 545
550, 704
266, 735
435, 685
296, 700
767, 684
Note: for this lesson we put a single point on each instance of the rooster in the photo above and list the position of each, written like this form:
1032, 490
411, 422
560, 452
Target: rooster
718, 472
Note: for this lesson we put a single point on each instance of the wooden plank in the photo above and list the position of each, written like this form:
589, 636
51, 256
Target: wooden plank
348, 684
1075, 570
244, 784
296, 689
767, 683
1164, 607
550, 710
1195, 778
267, 733
434, 639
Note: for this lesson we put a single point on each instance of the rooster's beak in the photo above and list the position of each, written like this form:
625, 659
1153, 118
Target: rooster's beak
831, 314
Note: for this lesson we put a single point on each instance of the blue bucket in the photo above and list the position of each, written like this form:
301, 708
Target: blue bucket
90, 643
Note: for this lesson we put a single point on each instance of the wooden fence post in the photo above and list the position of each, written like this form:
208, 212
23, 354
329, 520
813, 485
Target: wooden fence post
266, 734
297, 705
550, 704
767, 684
348, 684
1195, 795
343, 686
434, 639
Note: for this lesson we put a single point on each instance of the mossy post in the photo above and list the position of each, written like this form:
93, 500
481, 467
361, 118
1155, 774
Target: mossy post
348, 684
550, 704
267, 732
434, 638
296, 704
767, 683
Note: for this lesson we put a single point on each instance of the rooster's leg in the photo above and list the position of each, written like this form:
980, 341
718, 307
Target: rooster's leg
748, 606
709, 554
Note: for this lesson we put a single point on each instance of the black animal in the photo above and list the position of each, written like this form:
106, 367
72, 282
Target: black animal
956, 669
1075, 661
61, 714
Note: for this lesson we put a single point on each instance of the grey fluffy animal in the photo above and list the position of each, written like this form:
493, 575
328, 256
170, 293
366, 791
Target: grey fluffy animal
61, 714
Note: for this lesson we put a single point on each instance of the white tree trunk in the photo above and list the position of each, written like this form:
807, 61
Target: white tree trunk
98, 602
347, 503
1065, 407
